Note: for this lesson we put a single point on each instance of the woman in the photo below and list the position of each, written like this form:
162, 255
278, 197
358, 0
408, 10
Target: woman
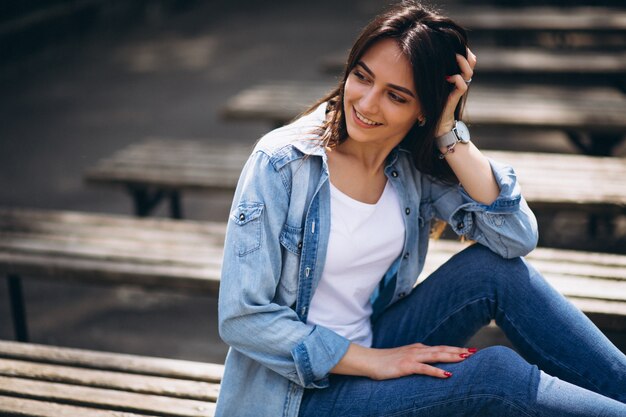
328, 233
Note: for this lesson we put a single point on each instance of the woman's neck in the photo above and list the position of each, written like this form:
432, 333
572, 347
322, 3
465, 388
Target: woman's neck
370, 157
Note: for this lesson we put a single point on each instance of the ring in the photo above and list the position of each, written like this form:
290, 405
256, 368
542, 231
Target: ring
468, 81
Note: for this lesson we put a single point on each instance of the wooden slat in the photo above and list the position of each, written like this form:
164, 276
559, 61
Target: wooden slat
170, 387
595, 109
23, 407
132, 364
105, 398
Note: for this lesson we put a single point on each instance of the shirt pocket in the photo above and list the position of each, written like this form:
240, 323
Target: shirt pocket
247, 216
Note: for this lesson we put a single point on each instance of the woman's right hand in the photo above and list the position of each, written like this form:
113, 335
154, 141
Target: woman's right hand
397, 362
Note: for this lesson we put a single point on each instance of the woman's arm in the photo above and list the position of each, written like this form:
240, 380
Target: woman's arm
470, 166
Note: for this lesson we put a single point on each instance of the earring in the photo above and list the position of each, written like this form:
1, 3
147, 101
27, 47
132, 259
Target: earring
422, 122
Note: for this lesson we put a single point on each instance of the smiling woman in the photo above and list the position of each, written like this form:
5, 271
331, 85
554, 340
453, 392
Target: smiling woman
321, 309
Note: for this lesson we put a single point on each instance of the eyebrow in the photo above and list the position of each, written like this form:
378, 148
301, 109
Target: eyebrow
394, 86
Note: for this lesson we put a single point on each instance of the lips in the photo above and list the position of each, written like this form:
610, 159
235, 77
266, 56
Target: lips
362, 120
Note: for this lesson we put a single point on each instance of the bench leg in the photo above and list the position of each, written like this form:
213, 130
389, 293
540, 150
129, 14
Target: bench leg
176, 209
18, 309
145, 201
596, 145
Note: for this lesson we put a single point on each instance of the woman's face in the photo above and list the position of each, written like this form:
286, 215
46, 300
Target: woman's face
380, 102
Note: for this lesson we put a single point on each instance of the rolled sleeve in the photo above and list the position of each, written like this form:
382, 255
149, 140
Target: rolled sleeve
507, 226
317, 354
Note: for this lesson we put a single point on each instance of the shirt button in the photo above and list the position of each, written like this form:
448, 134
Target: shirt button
394, 174
460, 225
407, 211
299, 245
406, 255
242, 217
402, 294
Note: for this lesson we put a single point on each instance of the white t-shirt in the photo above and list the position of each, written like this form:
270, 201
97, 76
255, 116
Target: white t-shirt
364, 241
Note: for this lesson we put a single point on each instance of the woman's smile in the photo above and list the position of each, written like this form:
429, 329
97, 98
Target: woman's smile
363, 121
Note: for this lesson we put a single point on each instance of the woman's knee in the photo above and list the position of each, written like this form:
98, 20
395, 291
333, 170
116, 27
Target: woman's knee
502, 364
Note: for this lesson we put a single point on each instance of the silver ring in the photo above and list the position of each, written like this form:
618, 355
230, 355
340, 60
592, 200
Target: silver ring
468, 81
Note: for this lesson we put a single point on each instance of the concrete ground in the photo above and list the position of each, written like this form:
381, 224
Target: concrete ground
167, 73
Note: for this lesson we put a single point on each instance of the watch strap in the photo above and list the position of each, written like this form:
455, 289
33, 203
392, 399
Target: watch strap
446, 140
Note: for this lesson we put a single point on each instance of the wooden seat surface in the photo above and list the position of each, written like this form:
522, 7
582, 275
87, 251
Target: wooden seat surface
175, 164
46, 381
159, 253
589, 109
105, 248
554, 180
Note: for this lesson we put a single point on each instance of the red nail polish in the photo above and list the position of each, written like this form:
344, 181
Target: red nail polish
464, 355
448, 77
447, 374
472, 350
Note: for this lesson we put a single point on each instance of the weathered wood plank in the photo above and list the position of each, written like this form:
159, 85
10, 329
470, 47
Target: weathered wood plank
132, 364
105, 398
143, 384
23, 407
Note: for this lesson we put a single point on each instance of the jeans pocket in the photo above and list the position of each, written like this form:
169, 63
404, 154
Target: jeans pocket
247, 216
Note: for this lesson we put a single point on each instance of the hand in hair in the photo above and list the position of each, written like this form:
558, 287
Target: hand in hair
446, 122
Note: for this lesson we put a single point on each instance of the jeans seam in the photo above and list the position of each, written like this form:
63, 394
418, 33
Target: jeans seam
542, 353
470, 397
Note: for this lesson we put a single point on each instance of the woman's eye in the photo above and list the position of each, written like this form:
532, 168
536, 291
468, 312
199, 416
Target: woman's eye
397, 98
360, 76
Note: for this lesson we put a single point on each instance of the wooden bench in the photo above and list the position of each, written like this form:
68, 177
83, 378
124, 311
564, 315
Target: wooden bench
549, 181
592, 67
563, 27
593, 117
157, 169
183, 255
72, 246
46, 381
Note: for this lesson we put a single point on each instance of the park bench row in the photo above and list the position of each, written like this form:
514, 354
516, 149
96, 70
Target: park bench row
160, 168
187, 255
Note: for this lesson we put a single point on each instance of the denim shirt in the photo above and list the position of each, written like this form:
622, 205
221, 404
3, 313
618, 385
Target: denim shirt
275, 250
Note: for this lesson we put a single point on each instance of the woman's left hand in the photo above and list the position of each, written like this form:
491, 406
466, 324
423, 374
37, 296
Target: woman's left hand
460, 87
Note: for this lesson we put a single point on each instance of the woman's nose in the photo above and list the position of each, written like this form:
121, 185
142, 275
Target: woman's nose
369, 101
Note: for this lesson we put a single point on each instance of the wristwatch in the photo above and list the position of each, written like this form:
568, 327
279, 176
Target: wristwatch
459, 133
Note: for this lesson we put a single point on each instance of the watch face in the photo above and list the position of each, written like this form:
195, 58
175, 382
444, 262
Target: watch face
462, 132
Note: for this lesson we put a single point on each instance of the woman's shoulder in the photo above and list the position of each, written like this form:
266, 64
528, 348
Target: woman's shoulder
295, 140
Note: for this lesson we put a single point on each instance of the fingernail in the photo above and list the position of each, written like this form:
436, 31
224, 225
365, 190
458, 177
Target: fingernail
447, 374
464, 355
472, 350
448, 77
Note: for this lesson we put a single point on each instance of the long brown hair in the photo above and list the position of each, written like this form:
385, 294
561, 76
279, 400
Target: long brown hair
430, 42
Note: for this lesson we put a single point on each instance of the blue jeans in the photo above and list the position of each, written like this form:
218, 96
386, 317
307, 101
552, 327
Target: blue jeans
567, 366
